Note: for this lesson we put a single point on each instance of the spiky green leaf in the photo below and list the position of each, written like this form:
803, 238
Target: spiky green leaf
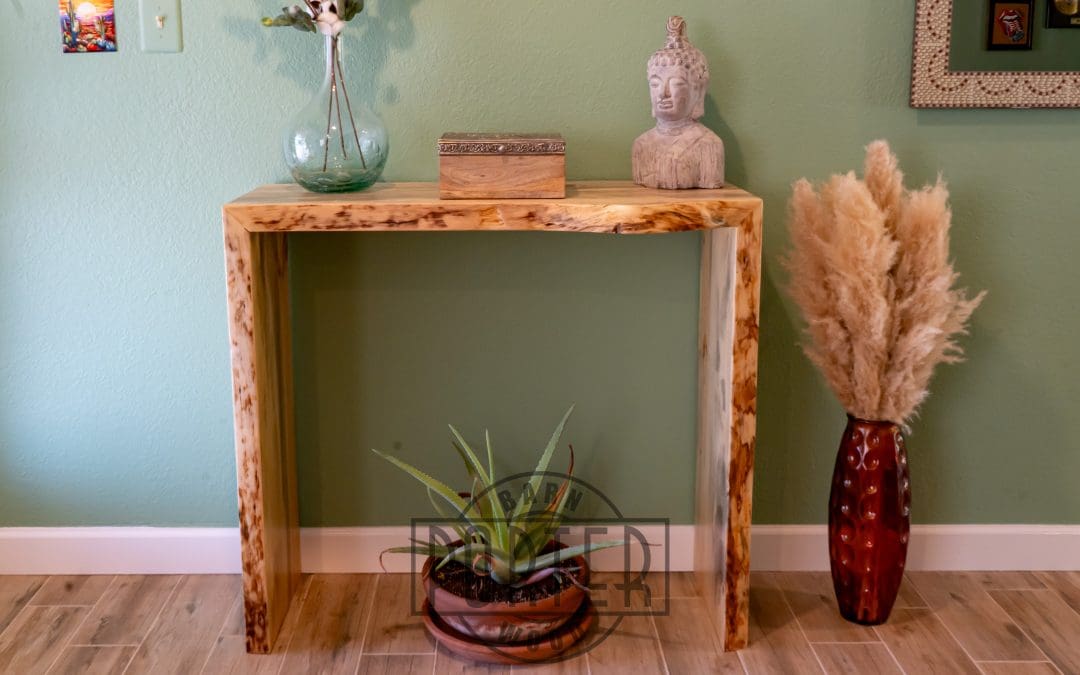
533, 486
472, 462
440, 488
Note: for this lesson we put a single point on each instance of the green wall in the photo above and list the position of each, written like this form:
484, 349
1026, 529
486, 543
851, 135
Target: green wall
114, 369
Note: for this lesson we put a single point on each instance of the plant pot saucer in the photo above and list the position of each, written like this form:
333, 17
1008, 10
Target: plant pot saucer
539, 650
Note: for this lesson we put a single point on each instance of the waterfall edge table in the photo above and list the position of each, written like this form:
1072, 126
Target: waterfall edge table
256, 226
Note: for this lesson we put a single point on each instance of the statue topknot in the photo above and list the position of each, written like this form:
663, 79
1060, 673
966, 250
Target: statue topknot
678, 51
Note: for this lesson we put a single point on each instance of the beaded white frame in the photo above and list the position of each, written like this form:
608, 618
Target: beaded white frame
933, 85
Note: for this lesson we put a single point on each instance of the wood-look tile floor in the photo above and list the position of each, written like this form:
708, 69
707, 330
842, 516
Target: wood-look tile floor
993, 623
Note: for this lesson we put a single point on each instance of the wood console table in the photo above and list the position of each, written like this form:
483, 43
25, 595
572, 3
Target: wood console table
257, 264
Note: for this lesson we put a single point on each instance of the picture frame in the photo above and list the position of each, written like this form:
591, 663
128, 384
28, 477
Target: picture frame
1063, 14
935, 85
1010, 25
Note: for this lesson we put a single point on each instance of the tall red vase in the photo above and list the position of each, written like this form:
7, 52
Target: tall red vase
869, 520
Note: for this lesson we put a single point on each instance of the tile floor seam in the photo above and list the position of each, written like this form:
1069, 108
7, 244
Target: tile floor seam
367, 624
1020, 628
299, 612
889, 649
75, 632
217, 640
154, 623
787, 603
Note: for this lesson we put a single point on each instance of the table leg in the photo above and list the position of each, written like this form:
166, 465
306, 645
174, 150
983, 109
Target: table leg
259, 330
727, 413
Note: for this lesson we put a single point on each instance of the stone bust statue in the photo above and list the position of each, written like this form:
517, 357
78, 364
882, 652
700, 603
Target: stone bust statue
679, 152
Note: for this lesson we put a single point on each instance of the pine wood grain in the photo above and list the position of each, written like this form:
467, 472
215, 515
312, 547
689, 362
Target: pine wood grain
502, 176
71, 590
93, 661
15, 593
397, 664
857, 659
985, 631
125, 612
812, 599
777, 644
922, 644
740, 472
256, 262
260, 336
716, 326
1045, 617
329, 633
36, 638
690, 642
189, 623
397, 627
618, 207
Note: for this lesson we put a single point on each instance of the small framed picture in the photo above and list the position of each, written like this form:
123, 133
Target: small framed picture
87, 26
1010, 25
1063, 14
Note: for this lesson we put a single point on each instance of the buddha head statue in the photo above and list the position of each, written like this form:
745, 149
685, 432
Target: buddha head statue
678, 77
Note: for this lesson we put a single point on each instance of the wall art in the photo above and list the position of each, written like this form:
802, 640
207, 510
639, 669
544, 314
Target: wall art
1010, 25
936, 83
87, 26
1063, 14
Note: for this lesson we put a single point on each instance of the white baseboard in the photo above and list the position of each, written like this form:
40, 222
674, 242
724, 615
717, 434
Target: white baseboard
793, 548
153, 550
357, 549
119, 550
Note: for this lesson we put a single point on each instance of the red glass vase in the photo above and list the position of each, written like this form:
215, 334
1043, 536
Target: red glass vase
869, 520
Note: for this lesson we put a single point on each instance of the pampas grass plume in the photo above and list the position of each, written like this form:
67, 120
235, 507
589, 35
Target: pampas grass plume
869, 270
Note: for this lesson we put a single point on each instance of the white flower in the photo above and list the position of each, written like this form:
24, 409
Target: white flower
329, 23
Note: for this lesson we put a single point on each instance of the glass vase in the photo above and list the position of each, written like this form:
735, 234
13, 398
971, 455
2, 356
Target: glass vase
869, 520
335, 144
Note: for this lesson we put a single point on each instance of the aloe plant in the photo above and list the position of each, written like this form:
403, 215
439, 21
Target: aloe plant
507, 546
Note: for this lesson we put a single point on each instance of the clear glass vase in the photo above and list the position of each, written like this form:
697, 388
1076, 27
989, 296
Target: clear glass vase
335, 144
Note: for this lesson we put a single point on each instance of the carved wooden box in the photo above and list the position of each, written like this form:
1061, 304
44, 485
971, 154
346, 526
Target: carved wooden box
502, 166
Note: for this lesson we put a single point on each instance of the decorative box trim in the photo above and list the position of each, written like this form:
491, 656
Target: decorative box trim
501, 144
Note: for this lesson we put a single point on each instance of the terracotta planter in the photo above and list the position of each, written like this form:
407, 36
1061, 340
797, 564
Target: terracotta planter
869, 520
501, 622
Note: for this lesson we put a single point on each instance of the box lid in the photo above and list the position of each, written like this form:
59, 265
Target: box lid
501, 144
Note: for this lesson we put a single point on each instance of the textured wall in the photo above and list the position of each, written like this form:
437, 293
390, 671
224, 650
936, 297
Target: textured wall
114, 375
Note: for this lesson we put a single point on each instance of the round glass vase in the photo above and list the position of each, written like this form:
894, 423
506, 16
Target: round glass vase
335, 144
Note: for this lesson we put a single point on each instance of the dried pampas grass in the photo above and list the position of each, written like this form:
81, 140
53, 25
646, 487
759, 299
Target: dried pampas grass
870, 272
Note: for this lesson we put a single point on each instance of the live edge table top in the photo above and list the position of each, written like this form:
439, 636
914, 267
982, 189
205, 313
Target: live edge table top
617, 207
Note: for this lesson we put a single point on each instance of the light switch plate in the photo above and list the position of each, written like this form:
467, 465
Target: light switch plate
162, 30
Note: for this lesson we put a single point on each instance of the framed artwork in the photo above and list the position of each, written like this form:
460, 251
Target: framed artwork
87, 26
939, 79
1010, 25
1063, 14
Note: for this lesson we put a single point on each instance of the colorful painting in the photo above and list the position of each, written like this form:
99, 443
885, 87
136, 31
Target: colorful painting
1010, 25
87, 26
